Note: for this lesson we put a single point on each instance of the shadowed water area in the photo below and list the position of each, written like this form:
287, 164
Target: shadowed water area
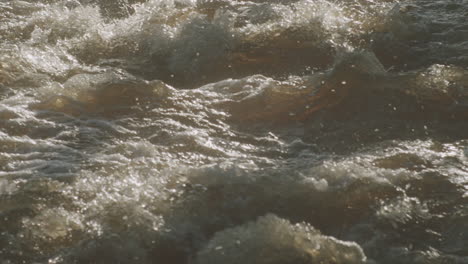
230, 131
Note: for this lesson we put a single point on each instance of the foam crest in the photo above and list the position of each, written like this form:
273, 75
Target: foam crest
274, 240
102, 92
402, 210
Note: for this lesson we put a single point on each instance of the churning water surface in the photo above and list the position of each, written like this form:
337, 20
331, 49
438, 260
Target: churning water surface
230, 131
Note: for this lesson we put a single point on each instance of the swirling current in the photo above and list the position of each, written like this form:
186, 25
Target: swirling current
233, 131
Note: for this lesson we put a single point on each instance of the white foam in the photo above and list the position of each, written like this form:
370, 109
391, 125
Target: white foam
274, 240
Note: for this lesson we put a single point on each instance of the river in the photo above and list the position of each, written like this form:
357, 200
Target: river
231, 131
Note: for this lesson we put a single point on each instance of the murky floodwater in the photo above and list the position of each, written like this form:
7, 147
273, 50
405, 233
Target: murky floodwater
224, 131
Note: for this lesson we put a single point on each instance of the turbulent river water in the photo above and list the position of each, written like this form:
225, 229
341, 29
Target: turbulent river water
229, 131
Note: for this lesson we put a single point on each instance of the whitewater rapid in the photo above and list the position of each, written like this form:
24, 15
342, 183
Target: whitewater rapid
229, 131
